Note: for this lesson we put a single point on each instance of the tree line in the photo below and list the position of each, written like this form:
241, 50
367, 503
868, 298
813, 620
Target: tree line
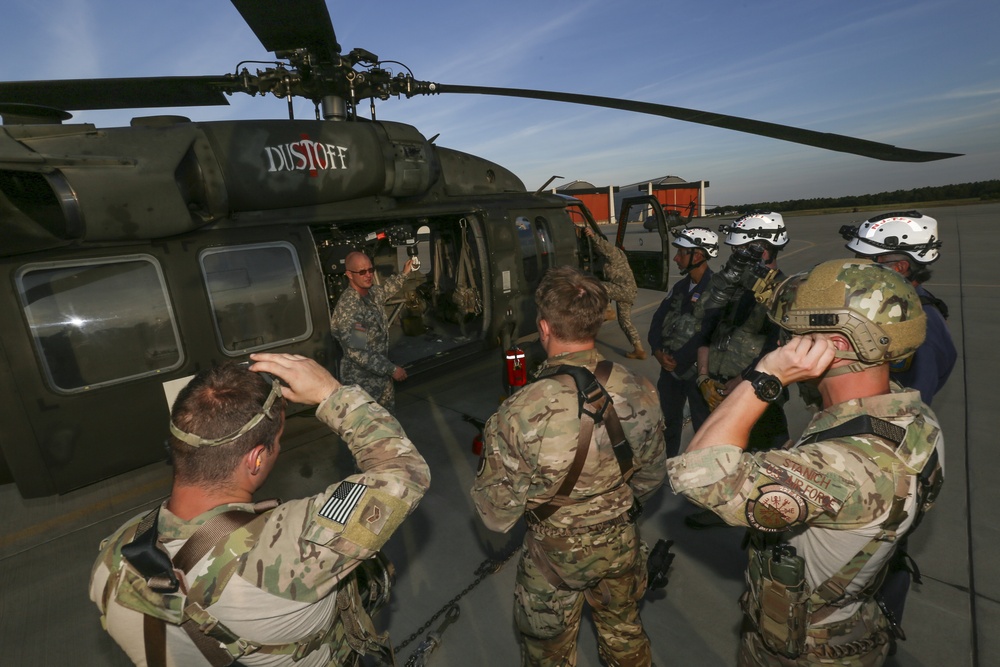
982, 190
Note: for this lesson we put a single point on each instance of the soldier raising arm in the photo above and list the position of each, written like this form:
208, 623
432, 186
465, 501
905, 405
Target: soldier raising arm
825, 515
266, 585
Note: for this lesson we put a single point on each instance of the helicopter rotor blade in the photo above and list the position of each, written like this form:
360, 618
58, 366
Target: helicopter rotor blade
290, 25
131, 93
833, 142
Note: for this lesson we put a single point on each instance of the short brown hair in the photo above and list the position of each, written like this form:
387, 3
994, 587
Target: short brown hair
217, 402
572, 302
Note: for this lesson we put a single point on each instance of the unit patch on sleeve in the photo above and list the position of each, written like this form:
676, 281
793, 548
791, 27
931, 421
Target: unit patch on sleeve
342, 502
777, 508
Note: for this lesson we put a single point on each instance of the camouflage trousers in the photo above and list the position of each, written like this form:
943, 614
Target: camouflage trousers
608, 570
624, 298
379, 387
865, 643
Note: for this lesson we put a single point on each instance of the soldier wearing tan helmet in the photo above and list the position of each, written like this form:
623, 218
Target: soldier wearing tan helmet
825, 513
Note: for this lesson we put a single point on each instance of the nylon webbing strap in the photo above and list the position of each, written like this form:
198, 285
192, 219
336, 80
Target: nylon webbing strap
205, 538
210, 534
154, 634
860, 425
594, 396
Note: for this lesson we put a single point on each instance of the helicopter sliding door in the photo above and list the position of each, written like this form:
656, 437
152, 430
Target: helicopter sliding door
643, 235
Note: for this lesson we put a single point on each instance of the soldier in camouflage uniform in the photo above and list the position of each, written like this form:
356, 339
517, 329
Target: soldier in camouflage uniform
826, 513
621, 288
277, 590
361, 326
589, 547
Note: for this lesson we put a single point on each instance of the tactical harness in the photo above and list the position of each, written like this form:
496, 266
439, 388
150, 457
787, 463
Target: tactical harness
161, 581
595, 407
591, 394
782, 609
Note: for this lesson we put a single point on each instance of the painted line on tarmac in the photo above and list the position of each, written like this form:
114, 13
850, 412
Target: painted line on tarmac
162, 485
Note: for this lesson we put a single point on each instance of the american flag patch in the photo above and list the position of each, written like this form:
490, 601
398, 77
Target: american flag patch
342, 502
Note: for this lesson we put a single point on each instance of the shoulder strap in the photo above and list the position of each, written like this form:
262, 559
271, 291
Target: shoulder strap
860, 425
595, 407
145, 549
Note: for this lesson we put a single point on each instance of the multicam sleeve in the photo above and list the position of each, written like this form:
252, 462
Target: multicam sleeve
511, 440
645, 433
308, 545
778, 490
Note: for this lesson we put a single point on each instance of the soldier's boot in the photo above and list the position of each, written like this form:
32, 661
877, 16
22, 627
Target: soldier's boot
637, 353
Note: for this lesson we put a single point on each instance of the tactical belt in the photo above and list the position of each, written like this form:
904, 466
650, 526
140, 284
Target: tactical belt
591, 394
628, 516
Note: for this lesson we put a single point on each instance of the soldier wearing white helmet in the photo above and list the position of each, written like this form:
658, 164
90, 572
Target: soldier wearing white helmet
908, 242
675, 333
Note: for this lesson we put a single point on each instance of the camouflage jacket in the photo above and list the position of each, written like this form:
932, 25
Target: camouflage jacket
361, 326
530, 443
829, 498
616, 268
282, 585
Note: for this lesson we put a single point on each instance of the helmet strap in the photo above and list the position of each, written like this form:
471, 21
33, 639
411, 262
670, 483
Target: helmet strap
857, 367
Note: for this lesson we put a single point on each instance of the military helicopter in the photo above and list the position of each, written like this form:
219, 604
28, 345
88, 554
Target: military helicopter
135, 256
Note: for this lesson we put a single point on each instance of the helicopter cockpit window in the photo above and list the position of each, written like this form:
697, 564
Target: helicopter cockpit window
529, 250
99, 322
544, 241
258, 296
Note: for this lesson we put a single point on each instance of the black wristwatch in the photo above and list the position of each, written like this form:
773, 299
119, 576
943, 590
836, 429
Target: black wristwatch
766, 386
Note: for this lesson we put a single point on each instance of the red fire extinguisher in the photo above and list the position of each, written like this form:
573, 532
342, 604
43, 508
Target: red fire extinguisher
517, 370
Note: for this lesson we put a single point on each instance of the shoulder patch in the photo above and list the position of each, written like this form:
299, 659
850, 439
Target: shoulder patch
776, 508
342, 502
819, 486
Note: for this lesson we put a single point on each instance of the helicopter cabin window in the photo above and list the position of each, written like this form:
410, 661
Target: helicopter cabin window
258, 296
544, 242
99, 322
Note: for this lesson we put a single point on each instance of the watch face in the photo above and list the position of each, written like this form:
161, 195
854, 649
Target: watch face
767, 387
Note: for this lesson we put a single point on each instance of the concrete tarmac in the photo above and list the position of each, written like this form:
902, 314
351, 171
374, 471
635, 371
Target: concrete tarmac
47, 546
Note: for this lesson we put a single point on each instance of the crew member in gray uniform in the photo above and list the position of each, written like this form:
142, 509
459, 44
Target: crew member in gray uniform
545, 458
361, 326
824, 514
675, 334
210, 577
620, 285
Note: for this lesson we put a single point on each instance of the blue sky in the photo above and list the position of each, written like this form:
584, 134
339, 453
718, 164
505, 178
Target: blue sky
917, 74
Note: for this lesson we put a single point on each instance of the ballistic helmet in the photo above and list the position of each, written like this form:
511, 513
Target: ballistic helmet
907, 232
757, 226
877, 309
698, 237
